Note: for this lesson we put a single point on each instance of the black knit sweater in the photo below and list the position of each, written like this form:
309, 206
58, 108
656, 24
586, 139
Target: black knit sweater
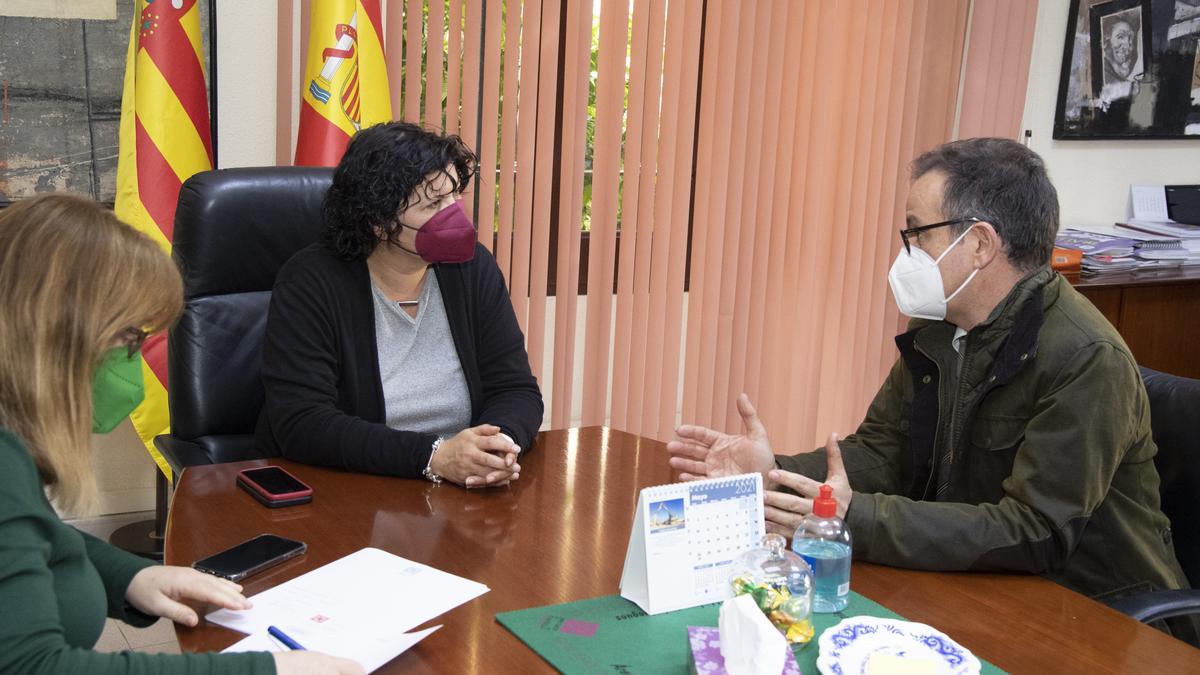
324, 400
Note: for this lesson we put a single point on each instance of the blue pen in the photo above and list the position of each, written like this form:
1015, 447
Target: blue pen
283, 637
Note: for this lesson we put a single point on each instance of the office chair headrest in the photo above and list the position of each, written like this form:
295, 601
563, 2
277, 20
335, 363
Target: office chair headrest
234, 228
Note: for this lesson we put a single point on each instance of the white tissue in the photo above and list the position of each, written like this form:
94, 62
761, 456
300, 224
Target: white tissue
750, 645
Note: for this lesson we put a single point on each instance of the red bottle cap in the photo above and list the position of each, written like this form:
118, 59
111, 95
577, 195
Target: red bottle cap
825, 506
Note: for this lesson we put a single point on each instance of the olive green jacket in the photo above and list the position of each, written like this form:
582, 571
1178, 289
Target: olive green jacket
1031, 454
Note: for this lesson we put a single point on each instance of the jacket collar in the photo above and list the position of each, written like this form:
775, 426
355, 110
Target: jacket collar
998, 350
1015, 306
1008, 336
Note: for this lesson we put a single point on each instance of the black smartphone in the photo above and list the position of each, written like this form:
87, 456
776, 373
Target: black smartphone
249, 557
274, 486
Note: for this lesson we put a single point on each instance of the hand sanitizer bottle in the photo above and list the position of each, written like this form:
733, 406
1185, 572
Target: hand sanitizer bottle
824, 542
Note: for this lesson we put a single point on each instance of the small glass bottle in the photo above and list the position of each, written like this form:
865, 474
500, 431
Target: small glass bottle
823, 540
782, 586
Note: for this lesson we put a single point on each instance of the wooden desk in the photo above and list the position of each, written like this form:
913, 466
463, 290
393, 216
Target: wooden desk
1156, 311
560, 534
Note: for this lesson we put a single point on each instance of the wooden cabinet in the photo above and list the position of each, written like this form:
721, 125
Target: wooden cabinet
1157, 312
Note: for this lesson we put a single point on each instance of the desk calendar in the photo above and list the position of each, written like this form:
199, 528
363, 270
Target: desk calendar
686, 539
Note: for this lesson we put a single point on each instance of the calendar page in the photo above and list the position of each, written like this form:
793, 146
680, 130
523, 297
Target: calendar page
687, 538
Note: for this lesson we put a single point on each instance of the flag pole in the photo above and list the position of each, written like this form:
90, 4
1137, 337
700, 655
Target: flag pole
212, 77
149, 178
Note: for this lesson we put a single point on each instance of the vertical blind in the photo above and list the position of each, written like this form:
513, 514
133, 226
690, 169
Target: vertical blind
802, 172
725, 178
997, 67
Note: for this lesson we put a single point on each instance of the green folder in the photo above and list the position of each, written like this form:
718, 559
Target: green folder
612, 635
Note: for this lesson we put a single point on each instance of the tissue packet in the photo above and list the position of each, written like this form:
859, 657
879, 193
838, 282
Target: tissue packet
706, 659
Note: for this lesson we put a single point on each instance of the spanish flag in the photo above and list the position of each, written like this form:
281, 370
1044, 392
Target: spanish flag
164, 139
345, 86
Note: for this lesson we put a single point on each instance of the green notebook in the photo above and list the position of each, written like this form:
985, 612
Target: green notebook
612, 635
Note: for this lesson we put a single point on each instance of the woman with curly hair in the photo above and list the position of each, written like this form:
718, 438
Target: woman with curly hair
81, 291
391, 346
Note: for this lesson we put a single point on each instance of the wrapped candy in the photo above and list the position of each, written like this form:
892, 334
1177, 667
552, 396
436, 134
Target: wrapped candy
782, 586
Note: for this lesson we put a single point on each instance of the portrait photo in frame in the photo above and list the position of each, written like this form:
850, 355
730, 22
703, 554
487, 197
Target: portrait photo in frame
1131, 70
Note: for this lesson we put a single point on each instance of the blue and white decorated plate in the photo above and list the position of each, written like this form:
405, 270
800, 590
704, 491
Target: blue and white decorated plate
847, 648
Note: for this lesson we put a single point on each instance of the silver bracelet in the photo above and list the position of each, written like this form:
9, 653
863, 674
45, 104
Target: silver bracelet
428, 472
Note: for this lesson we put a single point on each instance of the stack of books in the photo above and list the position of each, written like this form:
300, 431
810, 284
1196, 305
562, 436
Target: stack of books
1106, 253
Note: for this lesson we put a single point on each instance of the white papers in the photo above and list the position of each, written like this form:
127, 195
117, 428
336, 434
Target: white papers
1149, 202
686, 538
1165, 228
1151, 215
358, 607
256, 642
1164, 254
371, 655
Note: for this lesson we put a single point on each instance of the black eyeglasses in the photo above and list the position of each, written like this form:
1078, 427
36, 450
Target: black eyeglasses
913, 231
133, 339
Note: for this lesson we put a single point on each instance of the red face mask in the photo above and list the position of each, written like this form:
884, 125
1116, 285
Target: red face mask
447, 237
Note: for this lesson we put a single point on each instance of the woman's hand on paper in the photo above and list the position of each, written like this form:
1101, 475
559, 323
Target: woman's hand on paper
699, 452
162, 589
314, 663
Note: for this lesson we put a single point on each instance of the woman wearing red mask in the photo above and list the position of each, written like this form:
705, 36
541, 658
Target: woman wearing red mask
391, 346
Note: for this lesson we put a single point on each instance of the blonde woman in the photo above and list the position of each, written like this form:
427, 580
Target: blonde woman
79, 292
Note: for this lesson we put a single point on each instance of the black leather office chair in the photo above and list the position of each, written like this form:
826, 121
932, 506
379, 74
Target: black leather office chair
1175, 421
234, 229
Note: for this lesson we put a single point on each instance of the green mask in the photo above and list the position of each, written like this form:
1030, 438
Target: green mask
117, 390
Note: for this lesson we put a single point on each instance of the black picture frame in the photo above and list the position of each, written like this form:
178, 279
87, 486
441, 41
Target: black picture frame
1130, 70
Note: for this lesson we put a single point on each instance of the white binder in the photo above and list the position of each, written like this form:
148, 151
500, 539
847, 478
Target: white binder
687, 538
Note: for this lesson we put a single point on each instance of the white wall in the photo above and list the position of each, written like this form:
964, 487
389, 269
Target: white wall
124, 471
246, 73
1092, 177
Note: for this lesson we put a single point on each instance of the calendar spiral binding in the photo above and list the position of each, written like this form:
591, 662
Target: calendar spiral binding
723, 481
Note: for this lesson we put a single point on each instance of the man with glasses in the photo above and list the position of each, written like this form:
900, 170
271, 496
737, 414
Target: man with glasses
1013, 434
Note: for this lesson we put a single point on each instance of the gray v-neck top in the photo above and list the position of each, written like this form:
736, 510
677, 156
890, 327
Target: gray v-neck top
424, 388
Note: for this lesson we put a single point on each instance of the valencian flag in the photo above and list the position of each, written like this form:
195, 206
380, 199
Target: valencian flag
345, 85
164, 139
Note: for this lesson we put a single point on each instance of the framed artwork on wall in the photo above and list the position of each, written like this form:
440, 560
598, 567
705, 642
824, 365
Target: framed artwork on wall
61, 81
1130, 70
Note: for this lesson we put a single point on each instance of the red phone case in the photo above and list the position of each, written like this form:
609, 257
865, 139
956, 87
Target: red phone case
247, 482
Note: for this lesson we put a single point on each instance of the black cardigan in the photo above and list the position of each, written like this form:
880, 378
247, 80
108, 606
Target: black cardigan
324, 399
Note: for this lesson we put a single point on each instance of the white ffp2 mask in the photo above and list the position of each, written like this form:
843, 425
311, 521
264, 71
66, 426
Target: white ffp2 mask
916, 282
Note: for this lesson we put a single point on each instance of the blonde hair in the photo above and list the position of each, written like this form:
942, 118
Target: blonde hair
73, 278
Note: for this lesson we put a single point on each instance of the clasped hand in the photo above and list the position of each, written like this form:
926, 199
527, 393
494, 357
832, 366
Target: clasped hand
477, 457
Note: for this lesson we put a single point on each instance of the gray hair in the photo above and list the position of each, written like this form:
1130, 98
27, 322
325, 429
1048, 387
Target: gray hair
1004, 183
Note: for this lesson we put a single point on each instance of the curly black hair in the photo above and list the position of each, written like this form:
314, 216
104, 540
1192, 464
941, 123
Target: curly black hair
379, 176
